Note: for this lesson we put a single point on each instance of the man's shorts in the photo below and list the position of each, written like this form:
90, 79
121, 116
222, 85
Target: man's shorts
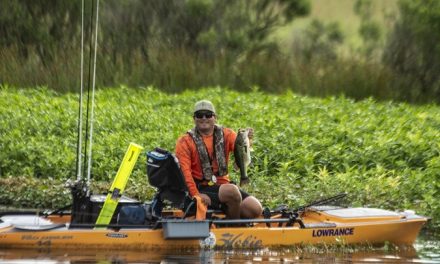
212, 192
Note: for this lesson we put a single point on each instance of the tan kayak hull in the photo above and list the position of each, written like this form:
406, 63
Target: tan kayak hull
370, 230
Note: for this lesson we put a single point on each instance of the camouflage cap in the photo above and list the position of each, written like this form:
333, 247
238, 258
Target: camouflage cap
204, 105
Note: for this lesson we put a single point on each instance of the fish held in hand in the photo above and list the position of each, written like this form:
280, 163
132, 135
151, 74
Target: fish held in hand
242, 153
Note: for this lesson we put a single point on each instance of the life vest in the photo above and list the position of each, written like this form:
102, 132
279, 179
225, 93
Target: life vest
219, 153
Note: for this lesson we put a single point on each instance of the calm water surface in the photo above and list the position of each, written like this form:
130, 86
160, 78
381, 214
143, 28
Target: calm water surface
425, 250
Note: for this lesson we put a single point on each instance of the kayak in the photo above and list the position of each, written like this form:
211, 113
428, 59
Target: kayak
314, 225
169, 221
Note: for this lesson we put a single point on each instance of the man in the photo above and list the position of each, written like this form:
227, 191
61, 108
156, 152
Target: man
203, 154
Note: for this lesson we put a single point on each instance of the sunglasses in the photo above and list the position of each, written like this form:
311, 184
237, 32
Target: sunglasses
203, 114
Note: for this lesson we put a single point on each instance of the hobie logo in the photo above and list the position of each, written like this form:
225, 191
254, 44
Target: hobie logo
117, 235
240, 241
333, 232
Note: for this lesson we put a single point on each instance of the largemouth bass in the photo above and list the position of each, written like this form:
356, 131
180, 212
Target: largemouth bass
242, 153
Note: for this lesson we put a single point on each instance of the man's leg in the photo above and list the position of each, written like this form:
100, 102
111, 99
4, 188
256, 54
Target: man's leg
250, 208
229, 194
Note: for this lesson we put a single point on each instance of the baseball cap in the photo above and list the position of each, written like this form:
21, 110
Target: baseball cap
204, 105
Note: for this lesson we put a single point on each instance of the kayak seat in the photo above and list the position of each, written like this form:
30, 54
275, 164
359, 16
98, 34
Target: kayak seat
163, 172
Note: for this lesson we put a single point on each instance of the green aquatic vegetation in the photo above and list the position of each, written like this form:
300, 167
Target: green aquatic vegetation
383, 154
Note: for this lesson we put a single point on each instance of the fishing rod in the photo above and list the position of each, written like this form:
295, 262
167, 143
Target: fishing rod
80, 102
283, 209
320, 202
86, 152
89, 165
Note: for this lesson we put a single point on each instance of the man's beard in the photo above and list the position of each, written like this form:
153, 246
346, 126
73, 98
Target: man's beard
205, 130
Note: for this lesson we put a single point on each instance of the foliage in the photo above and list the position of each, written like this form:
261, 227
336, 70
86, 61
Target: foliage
383, 154
137, 39
40, 28
319, 41
211, 26
369, 29
413, 49
191, 44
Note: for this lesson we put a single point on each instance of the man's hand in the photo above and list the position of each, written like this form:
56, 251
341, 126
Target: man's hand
250, 132
250, 136
205, 199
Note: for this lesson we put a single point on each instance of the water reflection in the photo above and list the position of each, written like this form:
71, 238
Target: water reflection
262, 256
424, 251
428, 247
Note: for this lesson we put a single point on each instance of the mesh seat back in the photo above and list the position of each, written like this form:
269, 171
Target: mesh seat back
164, 173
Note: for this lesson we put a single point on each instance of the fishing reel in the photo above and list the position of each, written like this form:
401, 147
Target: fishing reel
284, 212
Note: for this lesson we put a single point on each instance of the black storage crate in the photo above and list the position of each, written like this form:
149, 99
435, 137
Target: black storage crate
87, 210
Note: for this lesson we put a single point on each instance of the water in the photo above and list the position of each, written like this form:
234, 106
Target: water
425, 250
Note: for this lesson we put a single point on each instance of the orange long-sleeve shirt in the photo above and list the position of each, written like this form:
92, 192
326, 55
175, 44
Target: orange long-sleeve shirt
186, 153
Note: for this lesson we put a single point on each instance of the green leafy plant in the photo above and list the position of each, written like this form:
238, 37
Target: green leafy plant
383, 154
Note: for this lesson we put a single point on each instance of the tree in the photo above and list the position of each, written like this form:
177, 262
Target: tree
319, 41
214, 25
139, 37
39, 26
413, 49
369, 29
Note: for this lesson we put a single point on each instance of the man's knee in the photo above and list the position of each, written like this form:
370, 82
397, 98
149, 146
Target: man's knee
229, 193
251, 208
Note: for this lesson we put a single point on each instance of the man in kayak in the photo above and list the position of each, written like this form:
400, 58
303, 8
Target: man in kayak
203, 154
